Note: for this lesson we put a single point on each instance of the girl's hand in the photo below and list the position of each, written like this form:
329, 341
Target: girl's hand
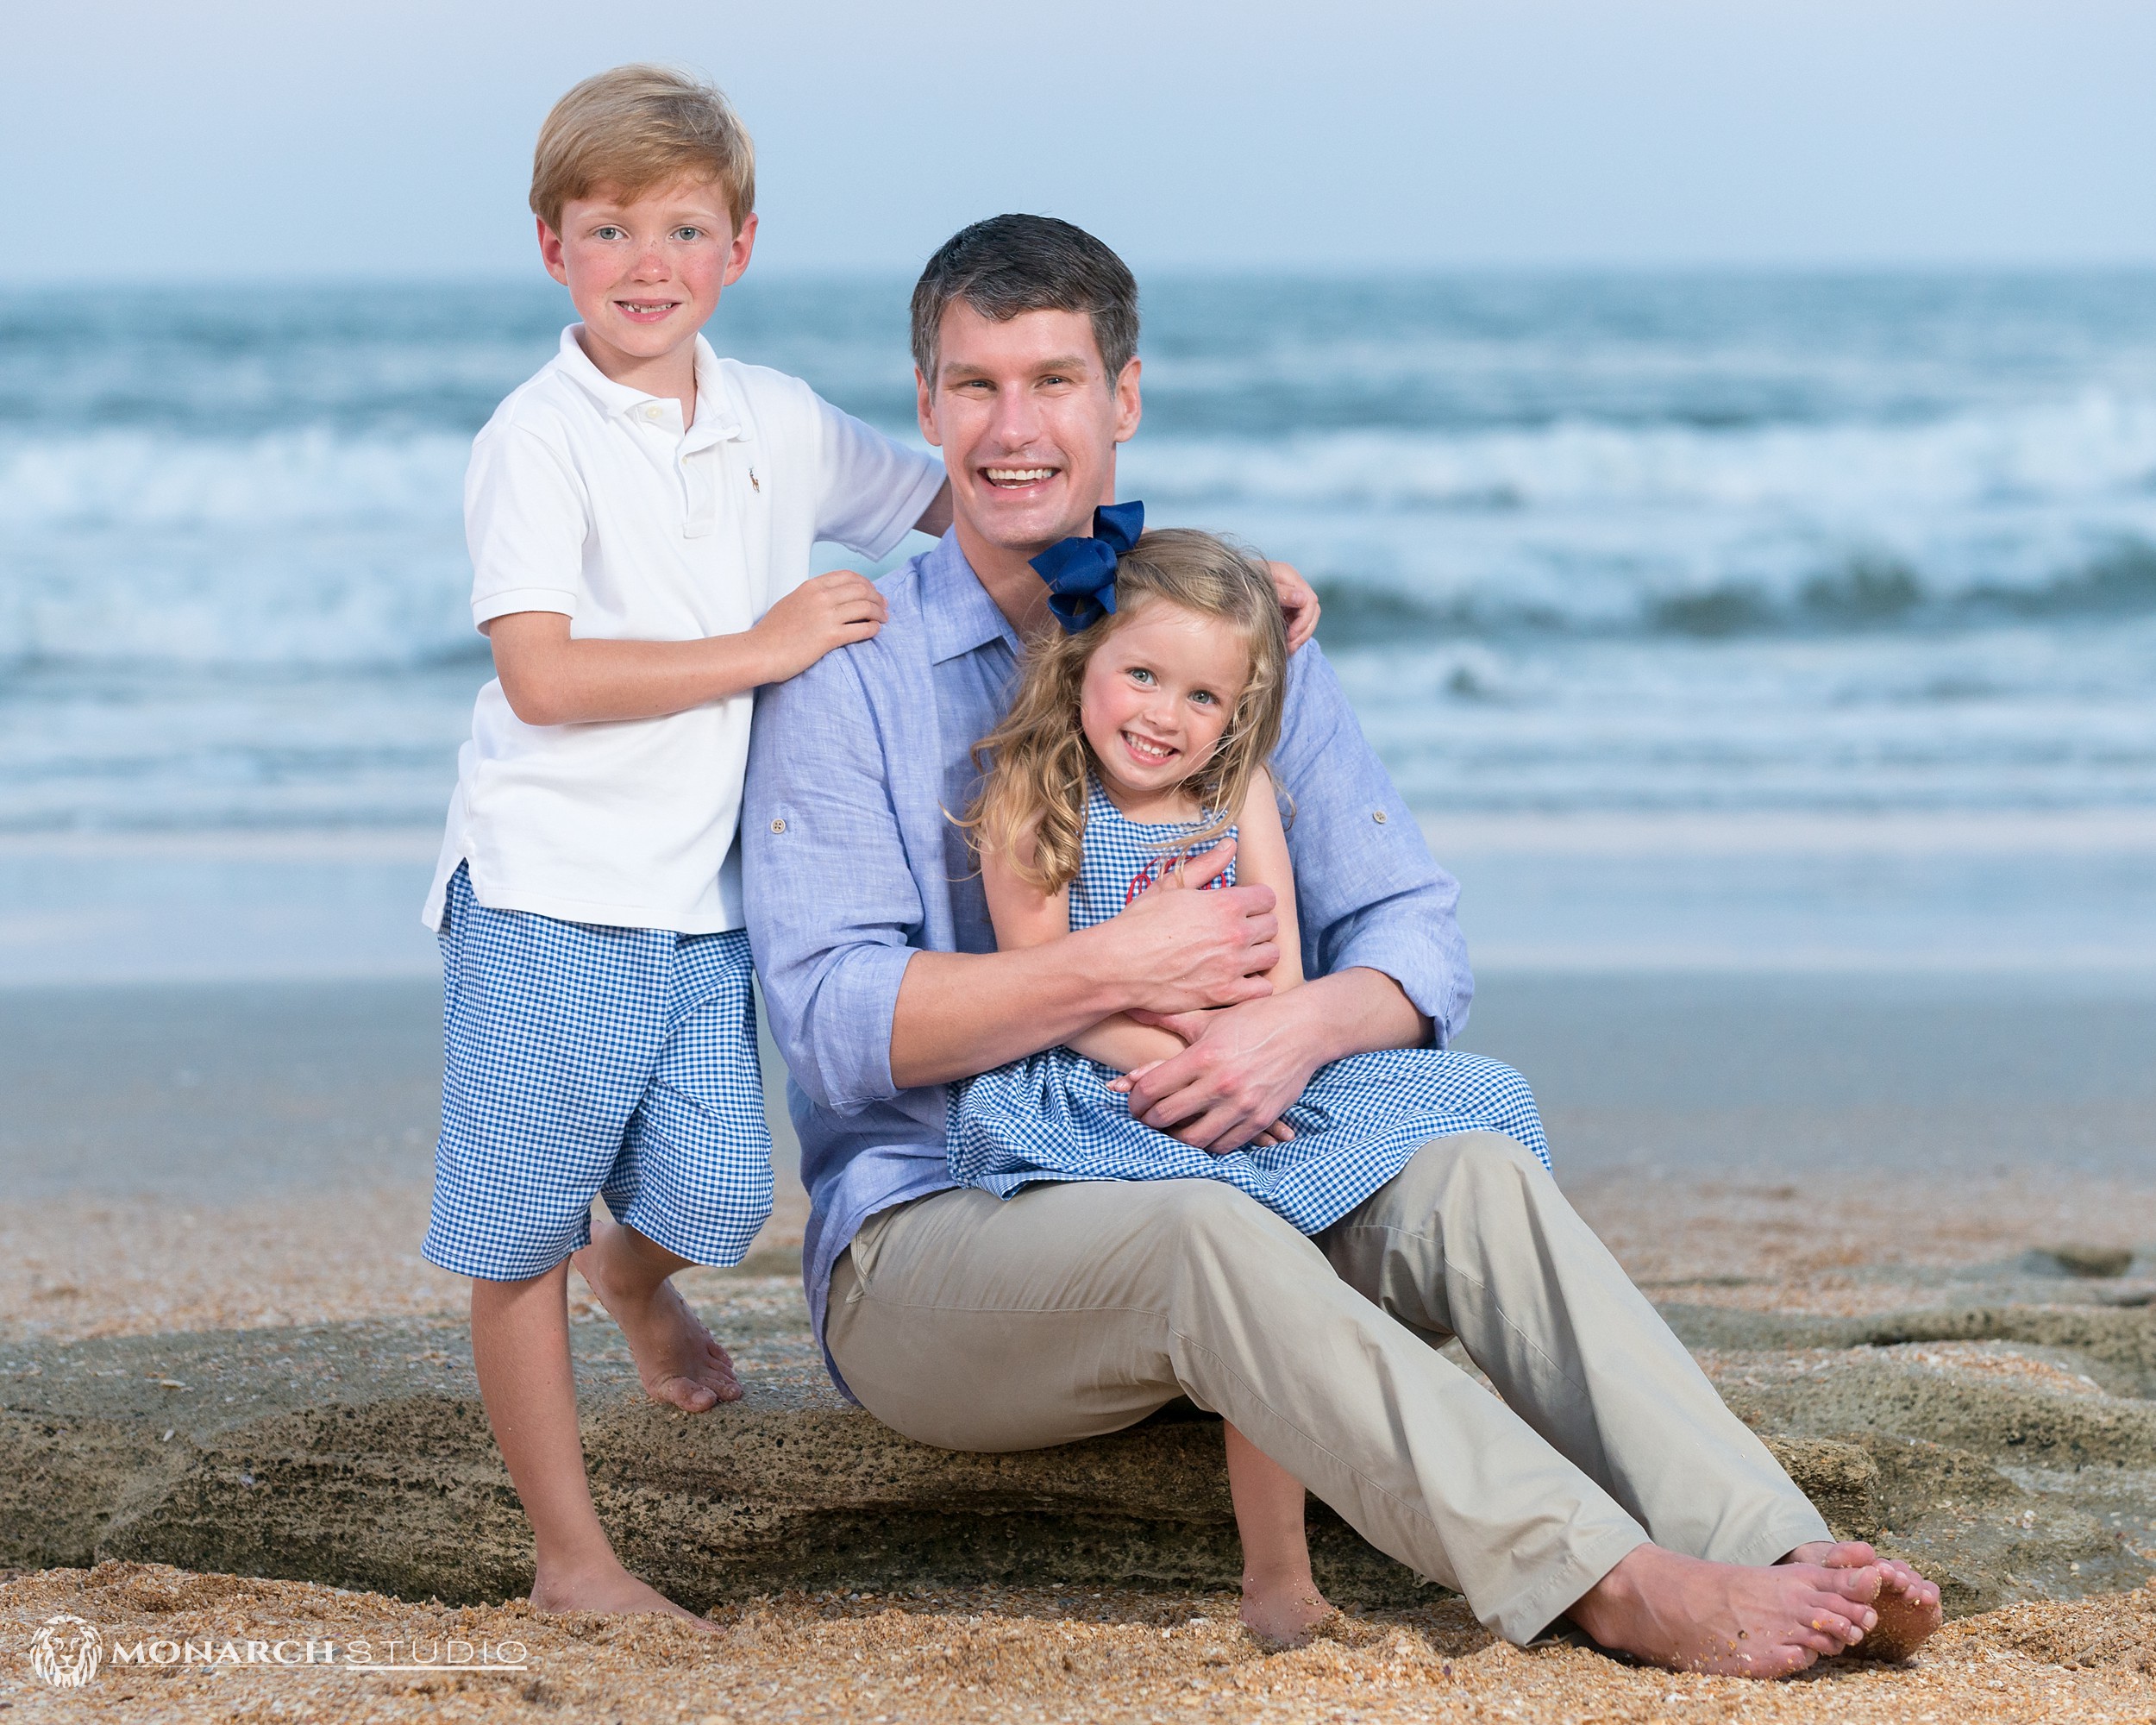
1122, 1085
1193, 874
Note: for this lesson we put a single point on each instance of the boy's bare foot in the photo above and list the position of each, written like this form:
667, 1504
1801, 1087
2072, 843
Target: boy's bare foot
1283, 1614
1907, 1604
612, 1590
677, 1360
1737, 1620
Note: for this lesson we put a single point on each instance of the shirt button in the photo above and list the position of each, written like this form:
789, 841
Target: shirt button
1379, 815
778, 825
651, 409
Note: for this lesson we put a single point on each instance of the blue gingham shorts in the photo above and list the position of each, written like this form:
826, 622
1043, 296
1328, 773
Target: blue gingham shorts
584, 1061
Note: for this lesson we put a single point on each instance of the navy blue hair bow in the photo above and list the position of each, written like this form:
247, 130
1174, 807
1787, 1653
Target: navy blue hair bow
1081, 572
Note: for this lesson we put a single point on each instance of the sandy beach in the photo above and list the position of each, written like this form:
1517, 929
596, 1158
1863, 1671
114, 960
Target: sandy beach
241, 1170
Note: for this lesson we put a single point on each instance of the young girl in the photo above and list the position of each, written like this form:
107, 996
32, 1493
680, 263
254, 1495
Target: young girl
1136, 750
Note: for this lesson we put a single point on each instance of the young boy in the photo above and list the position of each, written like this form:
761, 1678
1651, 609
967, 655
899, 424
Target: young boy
640, 516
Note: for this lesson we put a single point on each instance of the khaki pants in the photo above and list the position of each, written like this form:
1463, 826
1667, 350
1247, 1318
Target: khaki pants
974, 1323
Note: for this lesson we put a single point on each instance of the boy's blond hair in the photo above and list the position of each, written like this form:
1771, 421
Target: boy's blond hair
638, 128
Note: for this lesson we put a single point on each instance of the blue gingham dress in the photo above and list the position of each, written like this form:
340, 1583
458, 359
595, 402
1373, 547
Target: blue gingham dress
1052, 1116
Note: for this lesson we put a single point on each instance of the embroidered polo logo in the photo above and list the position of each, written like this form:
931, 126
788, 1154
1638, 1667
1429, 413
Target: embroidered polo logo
755, 484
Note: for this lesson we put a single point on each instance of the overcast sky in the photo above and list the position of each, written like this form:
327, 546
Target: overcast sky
239, 138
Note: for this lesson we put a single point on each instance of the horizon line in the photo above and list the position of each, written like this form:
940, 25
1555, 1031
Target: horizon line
1353, 271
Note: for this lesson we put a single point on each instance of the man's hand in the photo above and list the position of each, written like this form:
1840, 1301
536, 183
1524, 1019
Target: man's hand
1246, 1065
1176, 947
824, 612
1187, 1025
1244, 1068
1194, 948
1298, 600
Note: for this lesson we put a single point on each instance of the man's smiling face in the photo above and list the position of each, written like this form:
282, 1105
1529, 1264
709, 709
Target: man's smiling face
1028, 420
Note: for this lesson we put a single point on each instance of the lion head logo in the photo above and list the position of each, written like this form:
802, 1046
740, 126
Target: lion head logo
67, 1651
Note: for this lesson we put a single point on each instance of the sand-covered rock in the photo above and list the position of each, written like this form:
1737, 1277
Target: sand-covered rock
2012, 1452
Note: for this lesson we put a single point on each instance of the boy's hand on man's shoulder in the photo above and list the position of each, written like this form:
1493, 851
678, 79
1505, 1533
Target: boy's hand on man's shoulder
824, 612
1298, 602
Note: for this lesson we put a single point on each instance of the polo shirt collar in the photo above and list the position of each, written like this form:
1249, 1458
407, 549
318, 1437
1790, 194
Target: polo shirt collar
715, 419
956, 608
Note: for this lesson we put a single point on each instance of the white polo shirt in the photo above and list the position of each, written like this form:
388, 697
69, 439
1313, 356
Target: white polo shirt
590, 498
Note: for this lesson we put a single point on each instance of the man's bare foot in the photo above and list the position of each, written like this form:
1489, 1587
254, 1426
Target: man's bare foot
677, 1360
1737, 1620
1907, 1604
612, 1590
1283, 1612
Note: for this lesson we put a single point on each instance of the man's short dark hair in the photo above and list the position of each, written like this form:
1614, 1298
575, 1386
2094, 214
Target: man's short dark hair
1008, 265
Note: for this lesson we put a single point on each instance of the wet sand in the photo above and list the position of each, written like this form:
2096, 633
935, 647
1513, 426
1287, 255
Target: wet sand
225, 1158
220, 1156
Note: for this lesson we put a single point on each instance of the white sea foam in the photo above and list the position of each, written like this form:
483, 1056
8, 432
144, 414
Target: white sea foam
1602, 525
2094, 447
306, 546
295, 548
307, 476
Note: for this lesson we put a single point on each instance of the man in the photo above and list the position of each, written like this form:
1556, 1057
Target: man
1610, 1484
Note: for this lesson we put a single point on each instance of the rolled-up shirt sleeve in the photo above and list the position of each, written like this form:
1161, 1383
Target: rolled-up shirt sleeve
832, 906
1368, 890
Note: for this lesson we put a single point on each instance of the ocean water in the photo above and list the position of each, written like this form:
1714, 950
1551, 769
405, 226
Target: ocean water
1595, 543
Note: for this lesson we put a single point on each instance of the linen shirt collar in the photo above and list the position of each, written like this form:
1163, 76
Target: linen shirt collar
956, 609
715, 421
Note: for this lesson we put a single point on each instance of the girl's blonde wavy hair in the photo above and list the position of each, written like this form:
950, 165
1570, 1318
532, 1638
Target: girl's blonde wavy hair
1036, 763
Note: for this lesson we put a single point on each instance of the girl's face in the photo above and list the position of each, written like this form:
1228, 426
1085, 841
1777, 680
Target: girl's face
1157, 694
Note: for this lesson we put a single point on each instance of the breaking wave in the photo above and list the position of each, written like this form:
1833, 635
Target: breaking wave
1583, 542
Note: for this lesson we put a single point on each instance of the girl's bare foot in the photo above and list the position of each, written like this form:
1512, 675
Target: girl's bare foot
611, 1589
677, 1360
1737, 1620
1285, 1613
1907, 1604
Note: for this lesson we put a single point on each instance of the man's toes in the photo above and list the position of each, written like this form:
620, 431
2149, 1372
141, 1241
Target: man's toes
1802, 1654
1863, 1584
1911, 1586
1838, 1618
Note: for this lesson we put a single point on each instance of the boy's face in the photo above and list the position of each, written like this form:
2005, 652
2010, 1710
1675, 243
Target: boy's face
1028, 420
646, 272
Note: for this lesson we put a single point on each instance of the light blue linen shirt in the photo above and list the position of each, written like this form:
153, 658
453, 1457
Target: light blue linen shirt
851, 865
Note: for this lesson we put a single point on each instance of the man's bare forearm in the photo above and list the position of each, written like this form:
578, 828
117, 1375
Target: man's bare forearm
1360, 1011
963, 1012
